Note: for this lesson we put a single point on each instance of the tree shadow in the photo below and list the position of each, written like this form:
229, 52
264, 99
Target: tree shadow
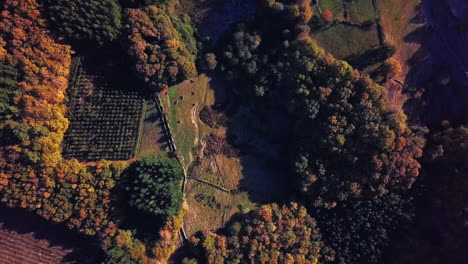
440, 65
260, 131
82, 248
153, 117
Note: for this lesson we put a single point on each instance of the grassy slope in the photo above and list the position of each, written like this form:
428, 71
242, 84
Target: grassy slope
396, 23
342, 40
188, 134
336, 6
195, 93
151, 133
361, 11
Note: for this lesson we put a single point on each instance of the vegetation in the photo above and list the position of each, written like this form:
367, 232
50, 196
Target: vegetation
181, 105
360, 231
95, 21
361, 11
158, 48
270, 234
105, 121
344, 120
33, 174
343, 40
335, 6
273, 107
8, 92
341, 118
155, 187
441, 202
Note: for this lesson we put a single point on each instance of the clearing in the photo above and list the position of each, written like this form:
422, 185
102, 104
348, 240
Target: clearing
152, 138
401, 20
361, 11
343, 40
228, 167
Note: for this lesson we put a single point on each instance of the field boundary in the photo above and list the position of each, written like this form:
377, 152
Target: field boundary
140, 128
172, 147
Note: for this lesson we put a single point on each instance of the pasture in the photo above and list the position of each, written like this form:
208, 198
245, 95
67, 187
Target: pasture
361, 11
342, 40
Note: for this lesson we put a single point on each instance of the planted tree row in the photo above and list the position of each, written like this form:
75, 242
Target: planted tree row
104, 122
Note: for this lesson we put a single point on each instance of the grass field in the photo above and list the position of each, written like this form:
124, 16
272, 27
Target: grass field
342, 40
336, 6
181, 106
398, 20
208, 206
361, 11
152, 139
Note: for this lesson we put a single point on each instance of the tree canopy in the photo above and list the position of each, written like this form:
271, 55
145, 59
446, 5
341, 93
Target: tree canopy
93, 20
158, 46
155, 187
360, 231
269, 234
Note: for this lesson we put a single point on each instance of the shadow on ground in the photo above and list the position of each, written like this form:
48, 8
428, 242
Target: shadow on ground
440, 66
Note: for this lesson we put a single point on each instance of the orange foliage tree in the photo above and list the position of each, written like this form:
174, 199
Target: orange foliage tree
161, 55
33, 174
327, 15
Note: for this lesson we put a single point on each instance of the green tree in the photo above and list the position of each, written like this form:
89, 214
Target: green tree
360, 231
8, 92
154, 187
91, 20
118, 256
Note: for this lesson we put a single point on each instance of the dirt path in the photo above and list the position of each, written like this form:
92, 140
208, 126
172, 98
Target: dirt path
193, 118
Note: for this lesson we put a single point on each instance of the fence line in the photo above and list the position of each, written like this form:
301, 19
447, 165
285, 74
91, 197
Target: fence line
211, 184
172, 147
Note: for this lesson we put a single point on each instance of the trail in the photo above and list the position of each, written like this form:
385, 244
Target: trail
193, 119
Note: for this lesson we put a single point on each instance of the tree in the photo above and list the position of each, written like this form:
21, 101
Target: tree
270, 234
155, 187
160, 51
360, 231
438, 234
327, 15
8, 92
209, 61
94, 20
347, 143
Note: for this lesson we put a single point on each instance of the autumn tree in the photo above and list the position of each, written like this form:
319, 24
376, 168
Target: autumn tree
158, 47
327, 15
209, 61
270, 234
441, 202
348, 144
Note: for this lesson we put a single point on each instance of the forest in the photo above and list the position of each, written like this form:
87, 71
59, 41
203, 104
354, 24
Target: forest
249, 131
